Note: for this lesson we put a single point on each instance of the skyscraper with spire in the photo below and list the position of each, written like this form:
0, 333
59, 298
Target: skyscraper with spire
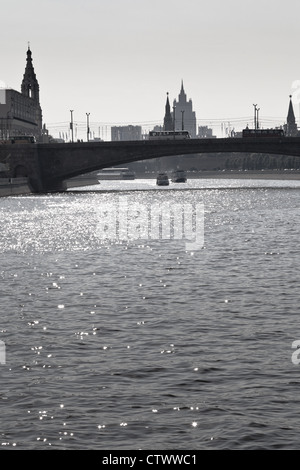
185, 117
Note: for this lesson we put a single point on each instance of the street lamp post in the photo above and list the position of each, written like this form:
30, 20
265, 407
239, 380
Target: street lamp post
182, 120
257, 121
255, 115
71, 124
87, 126
174, 107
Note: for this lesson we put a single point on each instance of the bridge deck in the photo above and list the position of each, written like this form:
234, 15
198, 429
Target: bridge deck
50, 164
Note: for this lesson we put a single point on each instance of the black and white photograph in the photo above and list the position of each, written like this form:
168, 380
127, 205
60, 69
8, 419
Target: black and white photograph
149, 228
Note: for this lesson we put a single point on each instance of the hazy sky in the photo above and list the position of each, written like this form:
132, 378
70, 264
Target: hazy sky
117, 59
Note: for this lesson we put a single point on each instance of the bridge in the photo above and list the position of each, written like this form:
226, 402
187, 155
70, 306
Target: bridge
48, 166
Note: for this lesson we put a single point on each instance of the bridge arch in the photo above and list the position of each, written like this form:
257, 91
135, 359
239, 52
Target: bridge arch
58, 162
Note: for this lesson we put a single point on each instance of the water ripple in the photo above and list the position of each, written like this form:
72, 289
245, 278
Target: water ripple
124, 345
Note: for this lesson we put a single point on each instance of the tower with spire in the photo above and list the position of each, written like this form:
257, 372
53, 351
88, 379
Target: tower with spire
185, 117
291, 126
30, 88
20, 111
168, 120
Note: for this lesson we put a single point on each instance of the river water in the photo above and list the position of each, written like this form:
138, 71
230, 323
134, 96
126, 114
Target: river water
111, 343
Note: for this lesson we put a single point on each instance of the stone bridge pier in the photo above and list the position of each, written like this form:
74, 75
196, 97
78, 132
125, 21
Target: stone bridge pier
22, 161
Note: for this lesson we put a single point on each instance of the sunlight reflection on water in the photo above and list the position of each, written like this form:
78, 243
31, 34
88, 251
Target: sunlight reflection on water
126, 345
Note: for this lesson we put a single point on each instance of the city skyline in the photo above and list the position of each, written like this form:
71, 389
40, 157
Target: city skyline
117, 60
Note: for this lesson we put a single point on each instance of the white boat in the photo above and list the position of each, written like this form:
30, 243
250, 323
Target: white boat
179, 176
116, 174
162, 179
128, 175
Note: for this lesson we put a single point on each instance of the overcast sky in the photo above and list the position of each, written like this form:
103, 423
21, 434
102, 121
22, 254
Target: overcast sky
117, 59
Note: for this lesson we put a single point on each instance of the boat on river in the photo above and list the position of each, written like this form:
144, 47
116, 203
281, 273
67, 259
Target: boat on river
162, 179
116, 174
179, 176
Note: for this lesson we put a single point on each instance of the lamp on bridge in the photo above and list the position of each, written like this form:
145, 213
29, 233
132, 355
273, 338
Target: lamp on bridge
87, 126
255, 115
256, 121
174, 107
71, 124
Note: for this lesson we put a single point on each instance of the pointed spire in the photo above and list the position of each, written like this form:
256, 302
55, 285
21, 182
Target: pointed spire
291, 115
182, 94
168, 121
291, 125
30, 86
168, 108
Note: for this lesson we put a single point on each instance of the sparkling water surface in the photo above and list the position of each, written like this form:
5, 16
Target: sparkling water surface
142, 344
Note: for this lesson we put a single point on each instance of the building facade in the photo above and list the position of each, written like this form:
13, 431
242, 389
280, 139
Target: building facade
20, 112
205, 132
119, 133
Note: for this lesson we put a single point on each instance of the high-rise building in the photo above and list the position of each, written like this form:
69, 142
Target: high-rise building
20, 112
185, 117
